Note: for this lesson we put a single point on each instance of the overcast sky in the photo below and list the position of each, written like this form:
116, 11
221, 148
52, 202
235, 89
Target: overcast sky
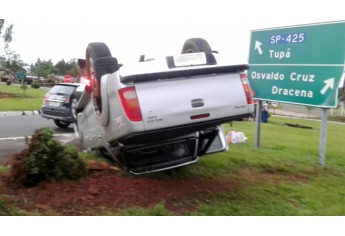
62, 29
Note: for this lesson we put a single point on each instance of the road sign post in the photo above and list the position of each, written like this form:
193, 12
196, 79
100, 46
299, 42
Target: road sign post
300, 64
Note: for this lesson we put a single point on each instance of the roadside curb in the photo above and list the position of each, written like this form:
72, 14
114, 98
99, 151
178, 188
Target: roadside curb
19, 113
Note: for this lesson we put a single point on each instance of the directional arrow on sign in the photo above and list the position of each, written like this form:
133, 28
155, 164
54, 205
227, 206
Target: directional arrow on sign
258, 47
329, 84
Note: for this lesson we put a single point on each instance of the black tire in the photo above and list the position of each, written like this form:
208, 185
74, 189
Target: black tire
196, 45
73, 105
61, 124
98, 62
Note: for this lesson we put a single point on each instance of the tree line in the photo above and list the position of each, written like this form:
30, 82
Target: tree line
11, 63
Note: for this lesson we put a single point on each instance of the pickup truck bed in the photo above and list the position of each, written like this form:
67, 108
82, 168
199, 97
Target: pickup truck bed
160, 114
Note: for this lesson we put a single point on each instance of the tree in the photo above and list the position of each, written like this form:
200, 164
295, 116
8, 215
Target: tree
13, 66
68, 68
9, 60
62, 67
43, 68
24, 88
74, 70
341, 93
309, 108
2, 58
2, 22
8, 38
11, 63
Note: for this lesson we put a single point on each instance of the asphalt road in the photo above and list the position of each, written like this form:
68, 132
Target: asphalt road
20, 126
13, 130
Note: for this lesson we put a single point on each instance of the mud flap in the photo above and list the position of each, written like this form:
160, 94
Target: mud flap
219, 143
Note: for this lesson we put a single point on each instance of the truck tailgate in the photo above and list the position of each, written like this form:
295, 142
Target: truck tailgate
182, 101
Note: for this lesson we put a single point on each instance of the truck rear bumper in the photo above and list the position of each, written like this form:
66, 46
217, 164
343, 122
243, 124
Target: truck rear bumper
172, 153
153, 136
163, 156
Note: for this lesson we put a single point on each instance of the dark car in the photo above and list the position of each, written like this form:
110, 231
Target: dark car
60, 102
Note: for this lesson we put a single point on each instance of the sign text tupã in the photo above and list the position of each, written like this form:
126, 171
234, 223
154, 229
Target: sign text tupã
299, 64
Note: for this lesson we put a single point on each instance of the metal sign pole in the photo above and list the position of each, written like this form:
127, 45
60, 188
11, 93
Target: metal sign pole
258, 124
298, 65
323, 128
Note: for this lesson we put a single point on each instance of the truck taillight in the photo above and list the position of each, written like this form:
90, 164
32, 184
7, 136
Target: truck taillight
45, 99
130, 103
247, 89
88, 81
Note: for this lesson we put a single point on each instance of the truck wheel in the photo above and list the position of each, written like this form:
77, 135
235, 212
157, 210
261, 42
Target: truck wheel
61, 124
95, 51
196, 45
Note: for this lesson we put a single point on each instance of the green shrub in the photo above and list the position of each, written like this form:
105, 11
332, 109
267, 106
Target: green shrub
4, 78
4, 211
46, 159
35, 86
24, 88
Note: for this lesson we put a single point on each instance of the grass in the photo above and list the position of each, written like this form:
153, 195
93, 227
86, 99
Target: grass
157, 210
4, 169
31, 100
281, 178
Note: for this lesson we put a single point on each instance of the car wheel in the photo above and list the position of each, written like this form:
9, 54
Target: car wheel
73, 107
98, 63
196, 45
61, 124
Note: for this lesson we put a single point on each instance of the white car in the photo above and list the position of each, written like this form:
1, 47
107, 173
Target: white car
160, 114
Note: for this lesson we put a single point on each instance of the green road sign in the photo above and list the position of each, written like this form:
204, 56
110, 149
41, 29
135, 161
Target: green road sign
299, 64
308, 85
20, 75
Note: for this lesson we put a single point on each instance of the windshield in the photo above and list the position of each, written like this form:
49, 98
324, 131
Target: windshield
62, 90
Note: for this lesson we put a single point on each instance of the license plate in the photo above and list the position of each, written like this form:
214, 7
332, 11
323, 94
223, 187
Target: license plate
54, 104
190, 59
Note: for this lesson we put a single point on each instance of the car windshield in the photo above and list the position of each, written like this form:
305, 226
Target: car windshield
62, 90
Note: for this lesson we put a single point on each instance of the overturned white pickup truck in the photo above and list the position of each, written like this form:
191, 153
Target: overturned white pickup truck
160, 114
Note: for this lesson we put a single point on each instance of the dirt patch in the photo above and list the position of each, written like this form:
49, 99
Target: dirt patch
108, 189
5, 160
8, 95
298, 126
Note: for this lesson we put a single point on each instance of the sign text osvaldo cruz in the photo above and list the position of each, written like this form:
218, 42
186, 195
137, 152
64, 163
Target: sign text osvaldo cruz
298, 64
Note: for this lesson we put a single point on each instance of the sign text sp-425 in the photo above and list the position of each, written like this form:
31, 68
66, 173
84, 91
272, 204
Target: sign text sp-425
299, 64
